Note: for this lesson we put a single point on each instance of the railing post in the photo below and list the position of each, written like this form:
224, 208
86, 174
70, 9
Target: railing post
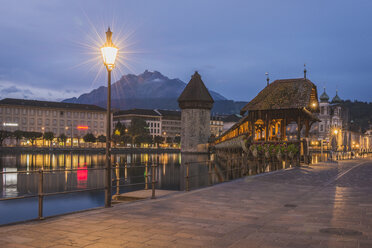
117, 171
146, 176
187, 177
153, 181
210, 172
40, 193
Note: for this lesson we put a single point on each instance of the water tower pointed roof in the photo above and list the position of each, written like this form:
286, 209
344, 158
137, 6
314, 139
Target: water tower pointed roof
195, 94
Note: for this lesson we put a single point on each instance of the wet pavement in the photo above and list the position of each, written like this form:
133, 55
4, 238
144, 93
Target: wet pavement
324, 205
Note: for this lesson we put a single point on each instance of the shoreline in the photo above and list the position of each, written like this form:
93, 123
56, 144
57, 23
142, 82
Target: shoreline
121, 150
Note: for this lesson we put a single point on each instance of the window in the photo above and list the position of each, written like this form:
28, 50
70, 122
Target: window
321, 128
322, 110
47, 122
88, 123
69, 123
76, 114
54, 113
39, 121
25, 111
16, 111
95, 124
95, 115
55, 130
101, 124
89, 115
24, 120
101, 116
54, 122
62, 122
68, 114
32, 121
40, 112
47, 112
82, 115
75, 122
8, 110
1, 110
61, 113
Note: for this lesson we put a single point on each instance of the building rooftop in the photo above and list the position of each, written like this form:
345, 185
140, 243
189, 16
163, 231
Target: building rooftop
284, 94
48, 104
232, 118
336, 98
148, 112
324, 97
169, 112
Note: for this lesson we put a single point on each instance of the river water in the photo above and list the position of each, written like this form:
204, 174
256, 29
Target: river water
86, 174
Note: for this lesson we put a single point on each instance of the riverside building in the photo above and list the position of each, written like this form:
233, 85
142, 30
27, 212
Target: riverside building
165, 123
73, 120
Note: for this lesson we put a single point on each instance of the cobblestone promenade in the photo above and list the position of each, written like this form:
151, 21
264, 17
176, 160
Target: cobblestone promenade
325, 205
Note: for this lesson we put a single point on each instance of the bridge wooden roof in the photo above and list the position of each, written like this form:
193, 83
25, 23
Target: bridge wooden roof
283, 94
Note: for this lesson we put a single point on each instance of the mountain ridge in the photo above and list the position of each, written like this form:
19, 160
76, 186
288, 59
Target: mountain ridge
147, 90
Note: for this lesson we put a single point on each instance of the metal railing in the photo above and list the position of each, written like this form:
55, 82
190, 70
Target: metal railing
229, 173
41, 174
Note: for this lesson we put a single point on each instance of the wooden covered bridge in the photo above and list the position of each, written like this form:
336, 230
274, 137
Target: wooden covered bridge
266, 117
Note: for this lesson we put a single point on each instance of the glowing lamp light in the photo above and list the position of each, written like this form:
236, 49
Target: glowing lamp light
109, 51
8, 124
314, 104
335, 131
82, 127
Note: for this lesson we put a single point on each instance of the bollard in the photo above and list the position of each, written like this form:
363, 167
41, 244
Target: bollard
153, 182
187, 177
40, 193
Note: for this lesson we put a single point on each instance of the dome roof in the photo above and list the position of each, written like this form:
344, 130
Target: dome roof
324, 97
336, 98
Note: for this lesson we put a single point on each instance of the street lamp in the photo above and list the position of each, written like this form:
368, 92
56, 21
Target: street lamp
109, 52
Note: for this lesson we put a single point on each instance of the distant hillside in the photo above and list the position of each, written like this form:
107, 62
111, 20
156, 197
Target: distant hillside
360, 114
149, 90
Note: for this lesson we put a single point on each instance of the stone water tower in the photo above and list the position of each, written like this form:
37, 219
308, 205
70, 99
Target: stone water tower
196, 104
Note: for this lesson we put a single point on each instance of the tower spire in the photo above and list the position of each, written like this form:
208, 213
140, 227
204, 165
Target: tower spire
267, 78
305, 71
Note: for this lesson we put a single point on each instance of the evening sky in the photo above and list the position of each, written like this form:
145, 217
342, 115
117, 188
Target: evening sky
49, 49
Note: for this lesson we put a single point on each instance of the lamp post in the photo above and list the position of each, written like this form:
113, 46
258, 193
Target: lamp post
109, 52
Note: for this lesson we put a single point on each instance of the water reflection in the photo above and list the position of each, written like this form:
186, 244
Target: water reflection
86, 171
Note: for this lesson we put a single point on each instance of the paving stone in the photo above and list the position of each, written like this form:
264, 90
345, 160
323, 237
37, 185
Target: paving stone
248, 212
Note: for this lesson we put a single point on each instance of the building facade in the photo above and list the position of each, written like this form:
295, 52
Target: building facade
217, 126
331, 116
152, 117
165, 123
73, 120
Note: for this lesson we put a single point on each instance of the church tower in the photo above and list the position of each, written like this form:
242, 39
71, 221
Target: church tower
196, 104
